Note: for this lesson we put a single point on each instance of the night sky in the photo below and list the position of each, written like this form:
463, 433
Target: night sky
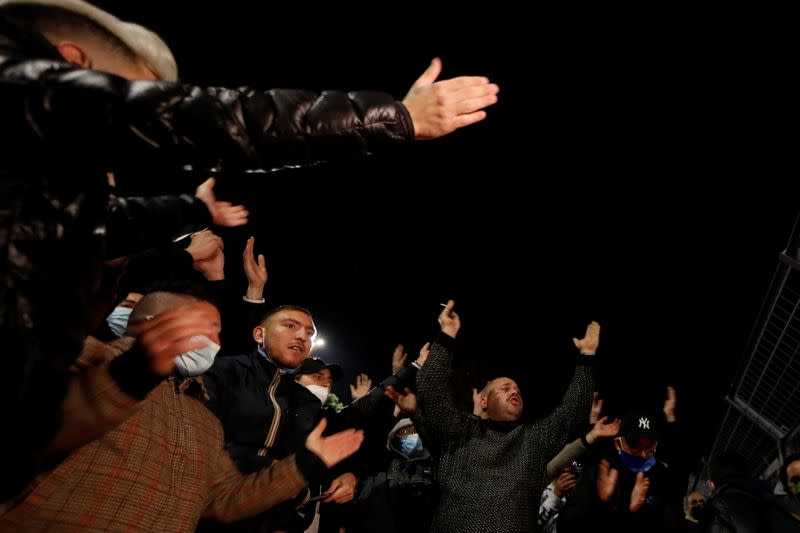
635, 171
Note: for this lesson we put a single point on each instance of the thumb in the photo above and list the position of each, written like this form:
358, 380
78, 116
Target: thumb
576, 341
261, 261
352, 390
207, 187
317, 433
335, 485
430, 74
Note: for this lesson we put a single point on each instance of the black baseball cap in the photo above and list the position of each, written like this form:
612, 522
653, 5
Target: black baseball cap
311, 365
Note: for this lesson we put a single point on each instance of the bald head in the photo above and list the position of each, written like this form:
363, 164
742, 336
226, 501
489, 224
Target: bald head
695, 501
155, 303
501, 400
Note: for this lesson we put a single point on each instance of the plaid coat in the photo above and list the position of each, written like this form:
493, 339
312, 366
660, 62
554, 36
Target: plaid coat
162, 469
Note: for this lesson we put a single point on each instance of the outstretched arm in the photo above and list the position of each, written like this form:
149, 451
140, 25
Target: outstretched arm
50, 105
234, 496
576, 448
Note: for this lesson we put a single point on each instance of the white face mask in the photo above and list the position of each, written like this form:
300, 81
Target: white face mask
320, 392
118, 320
196, 362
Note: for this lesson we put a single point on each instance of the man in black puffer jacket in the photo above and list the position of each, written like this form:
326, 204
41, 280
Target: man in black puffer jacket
739, 502
70, 117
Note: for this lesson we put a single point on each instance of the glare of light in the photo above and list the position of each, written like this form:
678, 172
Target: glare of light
319, 341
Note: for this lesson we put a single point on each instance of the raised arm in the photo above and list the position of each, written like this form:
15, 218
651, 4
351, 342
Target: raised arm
443, 419
572, 451
577, 402
403, 376
101, 397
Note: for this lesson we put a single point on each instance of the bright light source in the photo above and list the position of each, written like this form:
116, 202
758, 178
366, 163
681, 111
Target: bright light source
319, 341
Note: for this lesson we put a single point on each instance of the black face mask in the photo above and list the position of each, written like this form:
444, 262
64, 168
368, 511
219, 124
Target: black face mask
697, 511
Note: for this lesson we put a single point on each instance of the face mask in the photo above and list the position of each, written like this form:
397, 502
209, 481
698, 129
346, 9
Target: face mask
636, 463
697, 511
411, 445
794, 489
118, 320
320, 392
197, 361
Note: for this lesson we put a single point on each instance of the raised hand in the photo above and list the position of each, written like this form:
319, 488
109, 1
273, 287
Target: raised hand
606, 480
361, 388
213, 268
256, 272
602, 428
477, 410
639, 492
423, 354
669, 405
406, 402
222, 213
203, 245
171, 333
441, 107
449, 320
588, 344
597, 408
398, 358
335, 448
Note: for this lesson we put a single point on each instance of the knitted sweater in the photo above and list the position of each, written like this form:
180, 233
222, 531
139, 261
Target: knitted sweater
490, 481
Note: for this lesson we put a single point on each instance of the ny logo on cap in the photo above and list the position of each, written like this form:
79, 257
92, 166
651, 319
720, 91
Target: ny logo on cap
644, 423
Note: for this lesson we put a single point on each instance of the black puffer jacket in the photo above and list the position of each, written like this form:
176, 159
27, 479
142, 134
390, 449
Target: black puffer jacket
741, 505
62, 129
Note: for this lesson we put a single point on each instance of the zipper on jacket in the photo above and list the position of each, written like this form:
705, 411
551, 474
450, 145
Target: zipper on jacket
276, 418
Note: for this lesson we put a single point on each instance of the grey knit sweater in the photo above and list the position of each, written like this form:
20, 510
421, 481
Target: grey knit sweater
491, 481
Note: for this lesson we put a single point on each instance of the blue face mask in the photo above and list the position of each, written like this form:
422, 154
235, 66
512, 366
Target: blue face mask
636, 463
197, 361
118, 320
411, 445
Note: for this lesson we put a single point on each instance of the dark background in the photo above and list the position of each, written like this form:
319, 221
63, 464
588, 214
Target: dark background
637, 171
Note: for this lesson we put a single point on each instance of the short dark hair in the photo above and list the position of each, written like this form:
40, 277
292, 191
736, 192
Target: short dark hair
285, 308
782, 474
47, 19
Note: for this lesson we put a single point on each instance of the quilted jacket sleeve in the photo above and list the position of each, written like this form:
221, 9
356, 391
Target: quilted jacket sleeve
51, 107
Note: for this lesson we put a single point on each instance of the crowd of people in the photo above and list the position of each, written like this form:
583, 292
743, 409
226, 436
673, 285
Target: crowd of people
144, 394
